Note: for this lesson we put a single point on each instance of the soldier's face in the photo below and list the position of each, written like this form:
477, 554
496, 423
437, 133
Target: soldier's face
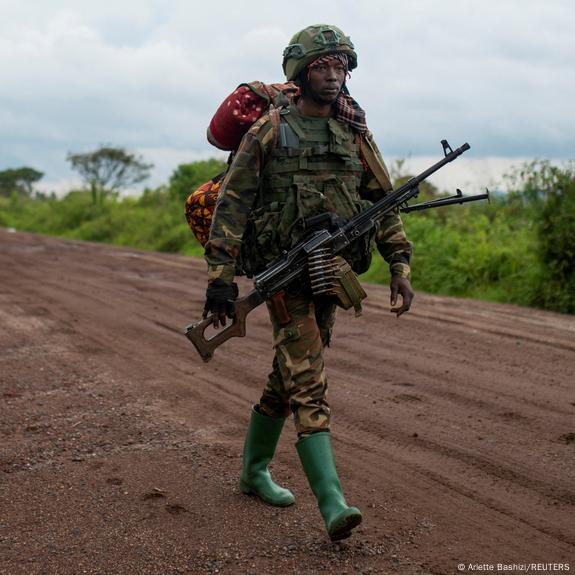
326, 81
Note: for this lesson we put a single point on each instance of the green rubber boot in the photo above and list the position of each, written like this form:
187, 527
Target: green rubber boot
259, 448
316, 455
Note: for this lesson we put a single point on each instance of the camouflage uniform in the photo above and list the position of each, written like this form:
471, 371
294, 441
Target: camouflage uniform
288, 168
271, 187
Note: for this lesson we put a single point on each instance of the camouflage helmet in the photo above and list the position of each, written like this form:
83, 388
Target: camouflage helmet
313, 41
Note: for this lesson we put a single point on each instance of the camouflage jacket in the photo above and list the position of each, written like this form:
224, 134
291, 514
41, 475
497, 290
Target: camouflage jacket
249, 222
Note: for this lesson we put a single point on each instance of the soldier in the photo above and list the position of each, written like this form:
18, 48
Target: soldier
296, 162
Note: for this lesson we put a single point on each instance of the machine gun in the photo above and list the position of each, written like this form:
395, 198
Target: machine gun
318, 250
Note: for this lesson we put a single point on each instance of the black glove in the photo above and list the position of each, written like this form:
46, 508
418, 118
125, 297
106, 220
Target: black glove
220, 298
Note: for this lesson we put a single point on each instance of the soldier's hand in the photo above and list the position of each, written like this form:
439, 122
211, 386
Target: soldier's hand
400, 286
220, 297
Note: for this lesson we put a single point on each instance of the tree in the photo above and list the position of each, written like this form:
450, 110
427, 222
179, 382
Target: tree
107, 170
19, 180
186, 178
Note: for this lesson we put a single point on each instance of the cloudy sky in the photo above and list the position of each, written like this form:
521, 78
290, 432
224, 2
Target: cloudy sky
148, 75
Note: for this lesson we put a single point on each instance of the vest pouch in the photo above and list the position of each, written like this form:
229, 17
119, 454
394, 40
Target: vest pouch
348, 291
359, 253
338, 198
309, 196
346, 204
260, 242
303, 200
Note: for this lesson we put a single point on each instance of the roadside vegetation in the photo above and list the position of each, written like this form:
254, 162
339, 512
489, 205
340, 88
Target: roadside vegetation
519, 249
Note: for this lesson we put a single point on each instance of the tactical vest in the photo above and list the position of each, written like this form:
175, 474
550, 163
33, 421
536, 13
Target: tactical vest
313, 167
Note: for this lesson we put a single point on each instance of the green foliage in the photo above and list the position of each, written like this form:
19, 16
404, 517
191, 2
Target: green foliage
468, 255
547, 192
188, 177
518, 249
107, 170
19, 181
152, 222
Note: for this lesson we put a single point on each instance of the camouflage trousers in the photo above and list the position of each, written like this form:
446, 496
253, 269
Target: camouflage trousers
298, 382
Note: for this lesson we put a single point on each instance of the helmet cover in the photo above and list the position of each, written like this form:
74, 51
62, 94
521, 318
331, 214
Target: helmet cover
313, 42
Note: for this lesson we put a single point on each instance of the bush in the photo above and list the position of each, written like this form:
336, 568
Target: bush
548, 193
188, 177
155, 221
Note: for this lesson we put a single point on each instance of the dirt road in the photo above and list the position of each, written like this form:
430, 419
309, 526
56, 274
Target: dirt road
453, 426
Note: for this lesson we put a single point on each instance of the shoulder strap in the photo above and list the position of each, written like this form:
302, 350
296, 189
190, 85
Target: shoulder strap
376, 164
275, 120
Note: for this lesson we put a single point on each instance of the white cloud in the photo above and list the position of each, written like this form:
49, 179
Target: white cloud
148, 75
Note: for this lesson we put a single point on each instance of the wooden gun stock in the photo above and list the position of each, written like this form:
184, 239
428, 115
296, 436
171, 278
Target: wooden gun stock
206, 347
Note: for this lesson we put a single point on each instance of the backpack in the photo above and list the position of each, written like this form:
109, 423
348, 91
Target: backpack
234, 117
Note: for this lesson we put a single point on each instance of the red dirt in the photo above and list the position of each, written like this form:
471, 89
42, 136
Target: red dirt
453, 427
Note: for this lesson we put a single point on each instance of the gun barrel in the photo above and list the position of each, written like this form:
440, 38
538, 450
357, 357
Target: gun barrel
443, 202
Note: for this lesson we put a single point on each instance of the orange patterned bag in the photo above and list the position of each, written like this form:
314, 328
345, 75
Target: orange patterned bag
200, 206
